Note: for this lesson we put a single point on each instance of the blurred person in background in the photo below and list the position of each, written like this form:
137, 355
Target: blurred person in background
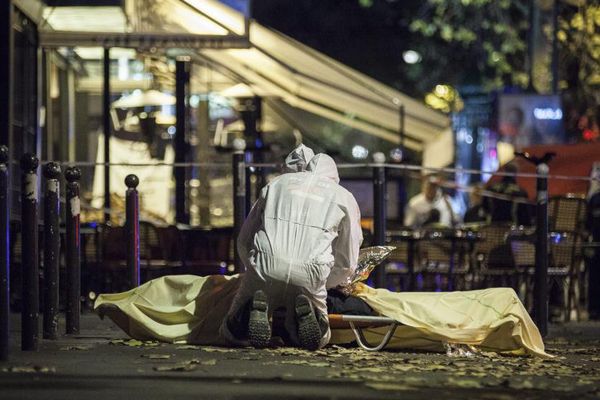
514, 207
430, 207
477, 211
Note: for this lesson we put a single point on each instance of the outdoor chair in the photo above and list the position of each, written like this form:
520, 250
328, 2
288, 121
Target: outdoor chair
567, 213
493, 260
566, 271
112, 270
443, 259
158, 254
567, 218
207, 251
396, 265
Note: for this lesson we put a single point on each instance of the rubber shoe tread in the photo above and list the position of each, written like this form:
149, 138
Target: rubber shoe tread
259, 329
309, 333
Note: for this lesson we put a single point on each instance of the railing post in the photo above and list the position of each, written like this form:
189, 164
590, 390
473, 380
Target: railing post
132, 229
239, 196
4, 255
379, 212
29, 251
73, 208
248, 175
51, 249
540, 295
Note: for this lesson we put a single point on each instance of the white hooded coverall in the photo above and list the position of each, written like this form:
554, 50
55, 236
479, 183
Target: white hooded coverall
302, 236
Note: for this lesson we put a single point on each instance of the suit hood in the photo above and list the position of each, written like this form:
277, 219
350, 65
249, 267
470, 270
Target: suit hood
324, 166
298, 159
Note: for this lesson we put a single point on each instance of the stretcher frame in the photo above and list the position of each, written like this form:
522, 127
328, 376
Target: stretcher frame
359, 322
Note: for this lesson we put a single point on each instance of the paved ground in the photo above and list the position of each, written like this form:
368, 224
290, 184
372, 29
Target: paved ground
103, 363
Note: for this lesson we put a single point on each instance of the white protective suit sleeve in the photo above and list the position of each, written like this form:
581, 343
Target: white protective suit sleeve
346, 246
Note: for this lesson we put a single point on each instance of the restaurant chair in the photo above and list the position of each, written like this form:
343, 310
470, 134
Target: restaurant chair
492, 259
442, 257
567, 213
566, 271
207, 251
396, 265
567, 222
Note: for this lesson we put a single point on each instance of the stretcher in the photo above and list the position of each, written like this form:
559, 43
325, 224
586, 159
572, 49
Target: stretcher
359, 322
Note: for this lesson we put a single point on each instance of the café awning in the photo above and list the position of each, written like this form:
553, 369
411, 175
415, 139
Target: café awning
245, 52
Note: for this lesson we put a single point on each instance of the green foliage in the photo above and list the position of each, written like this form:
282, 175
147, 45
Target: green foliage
485, 42
487, 33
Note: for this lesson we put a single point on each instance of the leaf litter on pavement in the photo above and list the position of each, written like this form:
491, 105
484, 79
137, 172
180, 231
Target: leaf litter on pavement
399, 371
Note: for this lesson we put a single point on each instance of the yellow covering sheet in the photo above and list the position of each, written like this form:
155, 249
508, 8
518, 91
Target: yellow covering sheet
189, 309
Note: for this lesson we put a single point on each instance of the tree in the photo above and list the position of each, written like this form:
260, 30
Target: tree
461, 42
493, 43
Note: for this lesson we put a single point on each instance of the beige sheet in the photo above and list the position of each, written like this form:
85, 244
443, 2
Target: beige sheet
189, 309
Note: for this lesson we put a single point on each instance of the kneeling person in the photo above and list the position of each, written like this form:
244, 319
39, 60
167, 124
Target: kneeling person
301, 237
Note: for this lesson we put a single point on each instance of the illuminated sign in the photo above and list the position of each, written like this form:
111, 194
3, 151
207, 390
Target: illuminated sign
547, 113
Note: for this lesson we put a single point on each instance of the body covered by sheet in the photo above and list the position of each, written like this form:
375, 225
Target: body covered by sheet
189, 309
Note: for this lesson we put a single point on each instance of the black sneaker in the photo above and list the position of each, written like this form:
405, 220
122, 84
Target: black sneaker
309, 333
259, 329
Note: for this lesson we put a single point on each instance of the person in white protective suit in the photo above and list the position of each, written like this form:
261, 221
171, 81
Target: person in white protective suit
301, 237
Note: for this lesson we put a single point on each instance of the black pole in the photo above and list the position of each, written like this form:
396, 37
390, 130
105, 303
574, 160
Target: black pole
555, 47
132, 229
239, 197
29, 250
540, 289
379, 212
249, 197
106, 125
402, 132
4, 255
6, 71
51, 249
182, 78
73, 174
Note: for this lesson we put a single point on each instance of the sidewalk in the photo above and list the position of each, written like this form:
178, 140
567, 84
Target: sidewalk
102, 363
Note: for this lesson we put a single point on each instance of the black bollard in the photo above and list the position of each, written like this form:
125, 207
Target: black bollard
540, 287
132, 230
379, 213
73, 208
51, 249
540, 280
239, 196
248, 206
29, 250
4, 255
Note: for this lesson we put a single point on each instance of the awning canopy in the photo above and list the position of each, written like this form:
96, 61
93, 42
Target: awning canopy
270, 63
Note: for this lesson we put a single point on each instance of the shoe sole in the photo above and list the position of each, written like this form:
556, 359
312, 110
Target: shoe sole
309, 333
259, 329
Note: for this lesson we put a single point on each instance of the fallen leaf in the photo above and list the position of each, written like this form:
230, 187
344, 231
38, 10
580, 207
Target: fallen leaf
30, 369
156, 356
216, 349
388, 386
70, 348
464, 383
182, 367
